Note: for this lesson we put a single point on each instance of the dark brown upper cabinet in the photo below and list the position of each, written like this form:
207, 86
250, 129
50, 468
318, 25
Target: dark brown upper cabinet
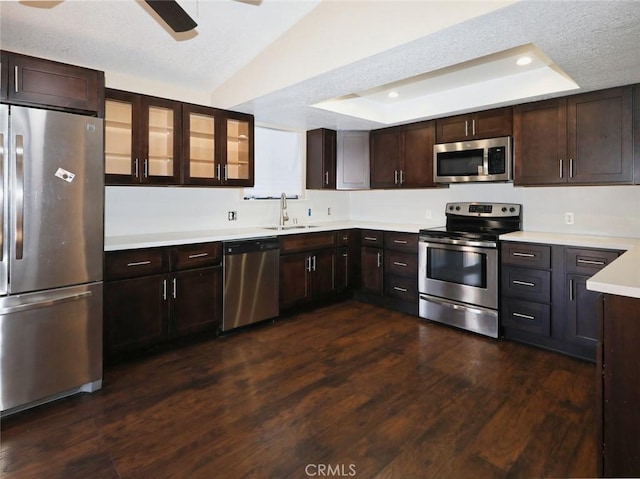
402, 157
321, 159
581, 139
237, 152
483, 124
142, 139
202, 163
31, 81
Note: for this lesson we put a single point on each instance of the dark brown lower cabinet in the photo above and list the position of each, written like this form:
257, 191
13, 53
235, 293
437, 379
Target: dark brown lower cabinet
153, 295
135, 313
619, 387
307, 276
372, 270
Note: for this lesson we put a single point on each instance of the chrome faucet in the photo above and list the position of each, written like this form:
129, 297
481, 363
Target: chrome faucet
284, 217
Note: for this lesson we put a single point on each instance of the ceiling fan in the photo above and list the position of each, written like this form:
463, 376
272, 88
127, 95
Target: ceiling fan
173, 15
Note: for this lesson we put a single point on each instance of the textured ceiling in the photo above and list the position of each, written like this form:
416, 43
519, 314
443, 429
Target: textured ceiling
257, 58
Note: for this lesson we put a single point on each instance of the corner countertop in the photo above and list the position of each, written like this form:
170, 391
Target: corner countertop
621, 277
115, 243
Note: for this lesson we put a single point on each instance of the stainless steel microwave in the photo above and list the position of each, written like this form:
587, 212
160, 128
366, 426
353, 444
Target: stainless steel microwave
476, 160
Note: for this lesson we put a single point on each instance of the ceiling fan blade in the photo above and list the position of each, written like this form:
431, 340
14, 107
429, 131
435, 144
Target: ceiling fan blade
173, 15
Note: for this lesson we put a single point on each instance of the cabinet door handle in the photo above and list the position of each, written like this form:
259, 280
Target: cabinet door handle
136, 170
525, 316
164, 289
397, 241
466, 128
589, 261
524, 255
138, 263
146, 168
314, 262
218, 172
398, 263
370, 238
16, 79
308, 264
523, 283
571, 293
570, 167
175, 288
379, 260
395, 177
198, 255
473, 127
225, 172
401, 176
402, 290
561, 168
326, 177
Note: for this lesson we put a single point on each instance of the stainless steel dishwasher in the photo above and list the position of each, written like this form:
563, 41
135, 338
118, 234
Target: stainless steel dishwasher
251, 281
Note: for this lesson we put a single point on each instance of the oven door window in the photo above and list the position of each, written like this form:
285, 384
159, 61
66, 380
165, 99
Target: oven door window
460, 163
461, 267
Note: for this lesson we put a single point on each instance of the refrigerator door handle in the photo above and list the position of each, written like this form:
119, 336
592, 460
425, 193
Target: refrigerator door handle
19, 196
1, 196
44, 303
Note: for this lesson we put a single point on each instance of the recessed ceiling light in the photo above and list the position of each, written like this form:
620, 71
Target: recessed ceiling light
524, 61
393, 94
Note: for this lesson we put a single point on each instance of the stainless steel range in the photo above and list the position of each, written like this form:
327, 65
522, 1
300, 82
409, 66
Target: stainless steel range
458, 265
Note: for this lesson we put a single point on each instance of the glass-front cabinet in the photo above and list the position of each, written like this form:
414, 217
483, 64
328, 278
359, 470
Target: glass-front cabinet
142, 139
151, 140
238, 168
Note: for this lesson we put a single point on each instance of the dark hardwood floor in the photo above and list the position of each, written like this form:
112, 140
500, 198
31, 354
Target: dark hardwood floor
351, 390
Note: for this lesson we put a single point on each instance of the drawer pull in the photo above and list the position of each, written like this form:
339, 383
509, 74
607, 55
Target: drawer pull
525, 316
138, 263
588, 261
198, 255
523, 283
524, 255
402, 290
370, 238
396, 241
398, 263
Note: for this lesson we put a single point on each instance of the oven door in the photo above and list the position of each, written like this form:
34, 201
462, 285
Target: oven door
461, 273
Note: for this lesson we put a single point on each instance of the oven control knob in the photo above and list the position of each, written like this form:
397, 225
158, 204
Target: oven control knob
457, 208
512, 209
450, 208
504, 209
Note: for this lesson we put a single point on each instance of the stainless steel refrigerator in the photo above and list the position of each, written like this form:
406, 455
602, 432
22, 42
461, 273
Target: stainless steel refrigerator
51, 250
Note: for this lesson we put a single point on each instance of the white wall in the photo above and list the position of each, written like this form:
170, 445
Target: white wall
139, 210
598, 210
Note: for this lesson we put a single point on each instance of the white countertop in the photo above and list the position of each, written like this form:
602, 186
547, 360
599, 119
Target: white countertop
621, 277
115, 243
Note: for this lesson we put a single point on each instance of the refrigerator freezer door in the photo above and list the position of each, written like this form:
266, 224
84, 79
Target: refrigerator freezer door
51, 344
57, 179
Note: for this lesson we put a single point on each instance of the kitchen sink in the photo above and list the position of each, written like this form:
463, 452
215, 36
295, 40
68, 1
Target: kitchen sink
290, 227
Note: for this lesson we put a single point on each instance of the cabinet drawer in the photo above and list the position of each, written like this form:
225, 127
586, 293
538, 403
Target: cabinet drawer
526, 316
307, 242
344, 237
401, 264
402, 288
588, 261
529, 284
526, 254
195, 255
401, 241
135, 262
372, 238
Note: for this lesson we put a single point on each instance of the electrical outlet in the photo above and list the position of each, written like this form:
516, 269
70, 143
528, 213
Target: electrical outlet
568, 218
232, 215
328, 211
427, 214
